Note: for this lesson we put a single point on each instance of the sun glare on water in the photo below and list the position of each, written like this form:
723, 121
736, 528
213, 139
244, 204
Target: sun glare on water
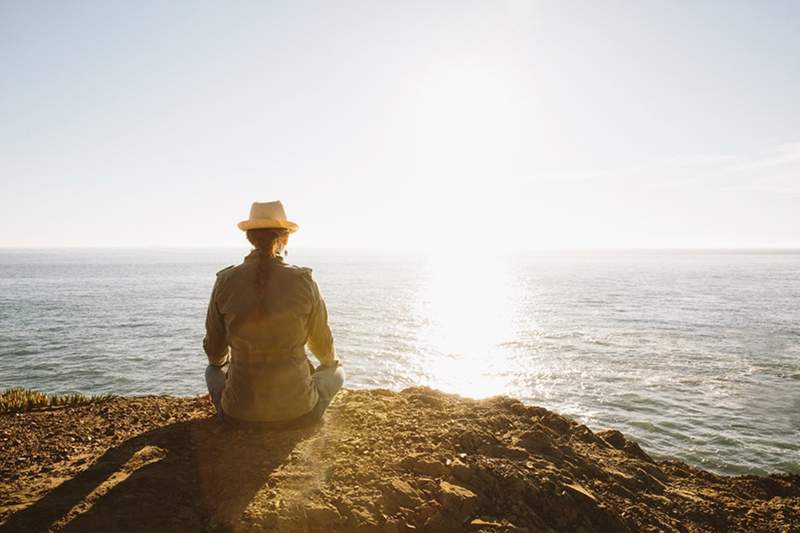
465, 304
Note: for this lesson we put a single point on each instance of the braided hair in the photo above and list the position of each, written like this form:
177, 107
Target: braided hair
268, 242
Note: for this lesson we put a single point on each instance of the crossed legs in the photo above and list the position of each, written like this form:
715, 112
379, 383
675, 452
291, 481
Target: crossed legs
328, 381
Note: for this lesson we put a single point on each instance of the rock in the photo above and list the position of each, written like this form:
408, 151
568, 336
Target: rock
655, 471
517, 487
361, 520
426, 398
649, 481
398, 493
613, 438
476, 440
514, 452
534, 440
321, 515
295, 523
557, 423
423, 464
390, 526
594, 510
457, 500
443, 522
585, 434
461, 471
480, 522
427, 509
633, 449
581, 493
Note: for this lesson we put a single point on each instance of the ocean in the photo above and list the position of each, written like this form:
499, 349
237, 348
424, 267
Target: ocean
695, 354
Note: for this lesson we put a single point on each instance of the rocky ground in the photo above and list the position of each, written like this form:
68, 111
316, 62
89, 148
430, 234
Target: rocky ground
380, 461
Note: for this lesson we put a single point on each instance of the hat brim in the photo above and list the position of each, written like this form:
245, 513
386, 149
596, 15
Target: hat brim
261, 223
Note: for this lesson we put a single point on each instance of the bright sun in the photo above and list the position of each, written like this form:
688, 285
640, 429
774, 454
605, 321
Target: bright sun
466, 307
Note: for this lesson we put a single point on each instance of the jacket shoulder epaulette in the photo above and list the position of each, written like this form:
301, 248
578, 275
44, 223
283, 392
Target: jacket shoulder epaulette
302, 272
297, 269
225, 269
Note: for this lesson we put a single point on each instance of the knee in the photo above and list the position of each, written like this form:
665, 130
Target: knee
214, 375
337, 380
335, 376
330, 380
339, 377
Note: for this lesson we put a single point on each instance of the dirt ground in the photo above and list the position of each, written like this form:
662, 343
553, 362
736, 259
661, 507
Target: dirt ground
379, 461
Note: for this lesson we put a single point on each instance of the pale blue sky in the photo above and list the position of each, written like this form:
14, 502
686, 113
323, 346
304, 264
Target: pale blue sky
404, 124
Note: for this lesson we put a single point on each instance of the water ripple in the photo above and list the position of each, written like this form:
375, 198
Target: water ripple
695, 355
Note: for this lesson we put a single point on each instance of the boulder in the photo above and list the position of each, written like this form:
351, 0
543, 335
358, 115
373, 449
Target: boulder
321, 515
461, 471
457, 500
398, 493
423, 464
614, 438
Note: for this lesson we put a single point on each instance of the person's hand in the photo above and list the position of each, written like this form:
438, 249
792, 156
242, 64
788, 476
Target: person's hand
336, 364
223, 363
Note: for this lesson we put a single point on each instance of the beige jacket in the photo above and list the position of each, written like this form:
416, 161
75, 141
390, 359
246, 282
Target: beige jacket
269, 377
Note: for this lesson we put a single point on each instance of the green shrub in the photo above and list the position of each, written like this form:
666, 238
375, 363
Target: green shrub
19, 399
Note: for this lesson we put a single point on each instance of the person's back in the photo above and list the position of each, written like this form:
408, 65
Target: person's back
261, 315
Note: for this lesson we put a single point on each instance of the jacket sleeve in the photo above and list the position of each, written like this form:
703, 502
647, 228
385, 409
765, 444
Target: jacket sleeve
215, 343
320, 339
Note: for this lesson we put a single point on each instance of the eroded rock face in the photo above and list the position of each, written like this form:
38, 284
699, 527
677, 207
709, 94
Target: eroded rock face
398, 494
423, 464
457, 500
417, 460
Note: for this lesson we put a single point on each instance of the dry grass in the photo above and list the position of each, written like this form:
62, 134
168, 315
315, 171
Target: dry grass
18, 399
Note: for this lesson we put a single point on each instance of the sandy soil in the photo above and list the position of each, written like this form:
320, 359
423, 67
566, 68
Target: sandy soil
380, 461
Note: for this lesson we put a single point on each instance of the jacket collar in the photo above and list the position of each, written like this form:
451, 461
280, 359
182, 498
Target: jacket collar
256, 255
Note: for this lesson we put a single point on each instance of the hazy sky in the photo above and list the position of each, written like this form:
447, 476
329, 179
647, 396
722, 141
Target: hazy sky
486, 125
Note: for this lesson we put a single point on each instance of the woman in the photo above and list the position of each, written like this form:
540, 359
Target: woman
261, 315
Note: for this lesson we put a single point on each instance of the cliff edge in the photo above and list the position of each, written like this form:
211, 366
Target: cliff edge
380, 461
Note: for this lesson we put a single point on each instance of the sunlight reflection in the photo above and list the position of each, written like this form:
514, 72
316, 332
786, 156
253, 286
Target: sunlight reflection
465, 305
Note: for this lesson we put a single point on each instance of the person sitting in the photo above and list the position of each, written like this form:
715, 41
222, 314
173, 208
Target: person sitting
261, 315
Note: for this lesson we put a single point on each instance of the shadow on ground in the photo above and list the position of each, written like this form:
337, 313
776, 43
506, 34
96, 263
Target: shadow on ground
188, 476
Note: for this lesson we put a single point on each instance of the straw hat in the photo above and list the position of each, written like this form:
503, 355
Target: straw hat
267, 215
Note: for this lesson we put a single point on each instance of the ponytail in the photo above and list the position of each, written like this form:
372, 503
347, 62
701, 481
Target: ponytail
267, 242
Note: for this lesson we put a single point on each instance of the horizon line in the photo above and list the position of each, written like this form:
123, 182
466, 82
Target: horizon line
174, 247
